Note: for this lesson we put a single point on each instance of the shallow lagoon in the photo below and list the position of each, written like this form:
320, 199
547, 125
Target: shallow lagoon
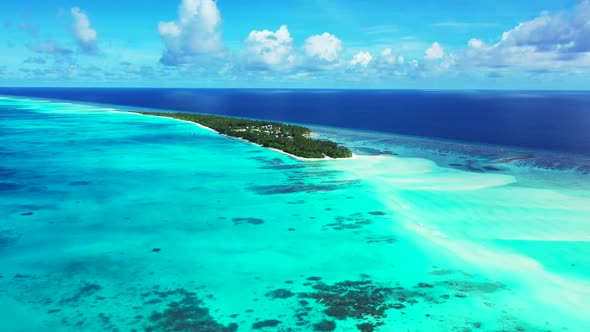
124, 222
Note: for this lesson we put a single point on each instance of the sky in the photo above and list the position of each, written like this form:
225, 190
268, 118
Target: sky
381, 44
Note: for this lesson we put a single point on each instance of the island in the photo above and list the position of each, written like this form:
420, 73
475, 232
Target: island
291, 139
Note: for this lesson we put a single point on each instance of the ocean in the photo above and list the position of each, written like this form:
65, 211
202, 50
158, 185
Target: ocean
461, 211
538, 120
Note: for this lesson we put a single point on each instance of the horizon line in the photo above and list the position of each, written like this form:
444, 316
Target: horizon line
289, 88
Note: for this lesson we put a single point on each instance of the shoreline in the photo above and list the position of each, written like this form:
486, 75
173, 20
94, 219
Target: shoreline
354, 156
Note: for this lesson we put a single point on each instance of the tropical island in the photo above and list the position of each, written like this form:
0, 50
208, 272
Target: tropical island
291, 139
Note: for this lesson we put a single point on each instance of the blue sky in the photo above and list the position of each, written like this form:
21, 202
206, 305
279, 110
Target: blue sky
542, 44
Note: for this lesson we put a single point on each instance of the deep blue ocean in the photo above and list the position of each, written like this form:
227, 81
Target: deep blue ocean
557, 121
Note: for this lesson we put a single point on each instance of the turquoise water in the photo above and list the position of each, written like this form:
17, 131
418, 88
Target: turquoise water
122, 222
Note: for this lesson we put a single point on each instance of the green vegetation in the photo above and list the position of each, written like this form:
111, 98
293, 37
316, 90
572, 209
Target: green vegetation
288, 138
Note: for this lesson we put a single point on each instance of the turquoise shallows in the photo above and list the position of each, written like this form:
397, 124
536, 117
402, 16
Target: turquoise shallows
113, 220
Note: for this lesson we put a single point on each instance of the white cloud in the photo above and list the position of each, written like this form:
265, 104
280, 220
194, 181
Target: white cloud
448, 62
83, 32
361, 59
325, 47
270, 50
475, 43
195, 36
563, 32
435, 52
387, 57
550, 42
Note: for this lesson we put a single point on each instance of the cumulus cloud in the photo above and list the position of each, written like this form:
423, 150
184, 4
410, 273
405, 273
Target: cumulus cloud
562, 32
387, 57
361, 59
448, 63
268, 50
387, 64
380, 67
548, 42
83, 32
475, 43
434, 52
193, 41
325, 47
195, 36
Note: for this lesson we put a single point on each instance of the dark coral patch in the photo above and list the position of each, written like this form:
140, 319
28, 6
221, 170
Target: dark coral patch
368, 327
297, 187
369, 303
266, 323
280, 294
377, 213
85, 291
375, 152
267, 161
325, 325
385, 239
352, 299
424, 285
353, 221
188, 314
441, 272
251, 221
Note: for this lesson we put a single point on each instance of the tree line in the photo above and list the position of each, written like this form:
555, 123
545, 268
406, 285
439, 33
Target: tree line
292, 139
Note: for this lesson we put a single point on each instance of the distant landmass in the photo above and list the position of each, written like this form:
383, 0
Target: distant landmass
291, 139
